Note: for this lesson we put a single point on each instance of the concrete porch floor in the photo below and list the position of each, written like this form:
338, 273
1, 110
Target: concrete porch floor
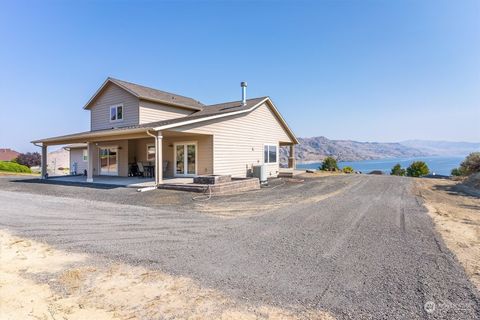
131, 182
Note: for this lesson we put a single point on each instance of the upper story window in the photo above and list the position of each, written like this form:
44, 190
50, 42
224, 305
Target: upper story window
269, 153
116, 113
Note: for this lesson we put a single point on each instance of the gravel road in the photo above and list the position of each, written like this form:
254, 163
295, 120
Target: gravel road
360, 247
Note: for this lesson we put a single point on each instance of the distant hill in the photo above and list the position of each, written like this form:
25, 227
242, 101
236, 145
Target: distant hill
443, 148
317, 148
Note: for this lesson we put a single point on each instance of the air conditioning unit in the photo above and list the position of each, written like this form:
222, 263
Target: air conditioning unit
260, 172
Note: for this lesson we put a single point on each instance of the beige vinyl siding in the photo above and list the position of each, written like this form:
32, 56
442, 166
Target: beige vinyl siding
138, 151
76, 155
122, 156
151, 112
113, 95
238, 141
204, 153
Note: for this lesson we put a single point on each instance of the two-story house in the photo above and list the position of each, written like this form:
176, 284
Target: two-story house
180, 136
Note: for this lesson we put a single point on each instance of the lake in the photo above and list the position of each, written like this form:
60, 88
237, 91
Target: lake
437, 165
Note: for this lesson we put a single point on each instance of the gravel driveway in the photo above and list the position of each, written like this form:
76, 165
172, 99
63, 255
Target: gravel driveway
357, 246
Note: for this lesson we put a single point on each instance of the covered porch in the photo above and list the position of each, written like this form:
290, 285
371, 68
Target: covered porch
288, 165
143, 157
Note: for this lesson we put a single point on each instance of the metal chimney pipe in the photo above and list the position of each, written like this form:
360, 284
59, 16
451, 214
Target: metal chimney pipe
244, 93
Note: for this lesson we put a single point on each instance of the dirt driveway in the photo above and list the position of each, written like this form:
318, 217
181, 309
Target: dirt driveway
344, 247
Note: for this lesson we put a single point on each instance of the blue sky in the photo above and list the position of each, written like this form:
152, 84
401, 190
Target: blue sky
360, 70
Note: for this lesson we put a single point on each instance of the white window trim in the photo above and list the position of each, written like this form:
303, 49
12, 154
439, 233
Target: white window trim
151, 145
85, 156
110, 113
263, 153
175, 174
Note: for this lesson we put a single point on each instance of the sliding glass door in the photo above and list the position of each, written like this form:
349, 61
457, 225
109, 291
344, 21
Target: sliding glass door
185, 159
108, 161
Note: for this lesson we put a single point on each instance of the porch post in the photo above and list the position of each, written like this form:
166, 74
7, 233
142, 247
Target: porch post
158, 158
291, 161
44, 161
90, 151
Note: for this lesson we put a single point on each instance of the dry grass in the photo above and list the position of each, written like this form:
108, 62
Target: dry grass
457, 218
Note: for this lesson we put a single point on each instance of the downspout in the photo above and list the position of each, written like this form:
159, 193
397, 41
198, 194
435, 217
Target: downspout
156, 150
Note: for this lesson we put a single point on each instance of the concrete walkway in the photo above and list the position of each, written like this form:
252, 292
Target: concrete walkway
132, 182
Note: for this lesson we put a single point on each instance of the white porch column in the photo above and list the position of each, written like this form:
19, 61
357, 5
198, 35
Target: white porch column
158, 158
90, 151
44, 161
291, 162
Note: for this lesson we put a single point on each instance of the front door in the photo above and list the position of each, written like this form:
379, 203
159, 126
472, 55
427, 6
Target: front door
185, 159
108, 161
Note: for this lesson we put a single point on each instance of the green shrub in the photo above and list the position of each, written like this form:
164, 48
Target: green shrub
329, 164
417, 169
457, 172
347, 169
13, 167
397, 170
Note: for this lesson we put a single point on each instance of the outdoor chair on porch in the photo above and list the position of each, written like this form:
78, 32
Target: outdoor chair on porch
141, 169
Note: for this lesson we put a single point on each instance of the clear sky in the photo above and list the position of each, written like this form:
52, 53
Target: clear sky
363, 70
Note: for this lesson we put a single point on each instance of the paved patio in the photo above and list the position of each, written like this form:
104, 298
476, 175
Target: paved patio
131, 182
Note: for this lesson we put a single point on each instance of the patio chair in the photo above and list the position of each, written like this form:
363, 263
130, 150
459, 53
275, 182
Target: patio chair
141, 169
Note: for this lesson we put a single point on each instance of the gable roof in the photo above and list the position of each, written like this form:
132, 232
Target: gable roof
150, 94
207, 113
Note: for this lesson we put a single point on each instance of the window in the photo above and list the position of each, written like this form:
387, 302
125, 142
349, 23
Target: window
270, 153
116, 113
150, 152
85, 155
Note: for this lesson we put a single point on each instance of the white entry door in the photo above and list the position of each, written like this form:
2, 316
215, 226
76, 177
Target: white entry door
185, 159
108, 157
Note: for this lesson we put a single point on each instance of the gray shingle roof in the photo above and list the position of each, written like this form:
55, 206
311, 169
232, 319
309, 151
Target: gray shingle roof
158, 95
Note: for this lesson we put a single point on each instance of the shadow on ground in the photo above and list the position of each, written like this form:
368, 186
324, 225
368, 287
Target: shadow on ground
458, 190
67, 183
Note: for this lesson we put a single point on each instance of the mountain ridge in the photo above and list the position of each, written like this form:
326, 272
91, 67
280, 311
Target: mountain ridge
315, 149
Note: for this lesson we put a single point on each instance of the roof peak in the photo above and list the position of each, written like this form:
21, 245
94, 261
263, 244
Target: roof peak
149, 94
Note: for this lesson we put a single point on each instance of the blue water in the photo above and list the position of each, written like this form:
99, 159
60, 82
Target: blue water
437, 165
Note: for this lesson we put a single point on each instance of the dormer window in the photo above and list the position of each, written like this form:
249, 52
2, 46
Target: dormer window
116, 113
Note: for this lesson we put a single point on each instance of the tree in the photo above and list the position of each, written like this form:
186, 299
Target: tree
417, 169
471, 164
329, 164
457, 172
29, 159
397, 170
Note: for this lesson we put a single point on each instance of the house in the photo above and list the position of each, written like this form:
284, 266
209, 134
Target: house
177, 135
8, 154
